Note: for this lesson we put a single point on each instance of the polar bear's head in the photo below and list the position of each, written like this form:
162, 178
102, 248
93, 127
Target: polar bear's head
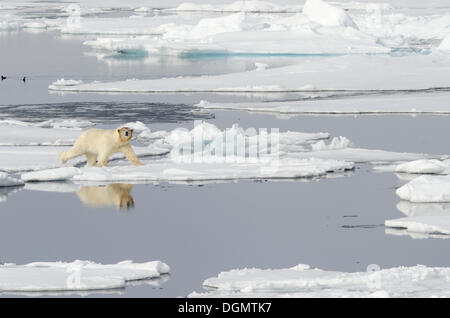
125, 134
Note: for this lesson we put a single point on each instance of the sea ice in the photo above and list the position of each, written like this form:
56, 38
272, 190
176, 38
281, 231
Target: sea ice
424, 220
416, 72
7, 181
436, 103
430, 166
208, 153
303, 281
426, 189
325, 14
75, 276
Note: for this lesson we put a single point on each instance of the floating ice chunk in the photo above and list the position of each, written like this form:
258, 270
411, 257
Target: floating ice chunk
169, 170
51, 175
436, 103
325, 14
63, 82
39, 158
430, 166
303, 281
423, 220
426, 189
74, 276
7, 181
336, 143
422, 224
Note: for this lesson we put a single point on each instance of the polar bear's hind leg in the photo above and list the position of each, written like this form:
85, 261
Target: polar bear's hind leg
91, 159
70, 154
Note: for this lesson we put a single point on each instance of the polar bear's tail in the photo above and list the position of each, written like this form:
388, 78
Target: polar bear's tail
63, 157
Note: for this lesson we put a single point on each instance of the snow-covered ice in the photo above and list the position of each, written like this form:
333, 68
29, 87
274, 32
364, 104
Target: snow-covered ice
75, 276
430, 225
17, 133
208, 153
38, 157
304, 281
426, 188
423, 220
430, 166
7, 181
417, 72
325, 14
436, 103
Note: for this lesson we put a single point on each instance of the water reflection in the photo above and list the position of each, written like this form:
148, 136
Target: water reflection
112, 195
422, 221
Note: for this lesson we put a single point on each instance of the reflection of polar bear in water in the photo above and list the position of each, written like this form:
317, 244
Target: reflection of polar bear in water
115, 194
98, 145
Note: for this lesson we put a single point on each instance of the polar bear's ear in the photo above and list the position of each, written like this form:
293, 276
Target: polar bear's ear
118, 130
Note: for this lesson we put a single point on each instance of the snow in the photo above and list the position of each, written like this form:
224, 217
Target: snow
431, 166
325, 14
426, 189
304, 281
17, 133
208, 153
422, 224
167, 170
75, 276
424, 220
416, 72
436, 103
7, 181
38, 158
445, 44
236, 6
63, 82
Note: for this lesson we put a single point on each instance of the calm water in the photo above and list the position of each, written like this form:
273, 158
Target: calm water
202, 229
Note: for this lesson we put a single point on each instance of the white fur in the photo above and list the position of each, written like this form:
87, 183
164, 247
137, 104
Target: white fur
98, 145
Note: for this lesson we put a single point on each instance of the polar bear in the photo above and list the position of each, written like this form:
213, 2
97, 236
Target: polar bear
114, 194
99, 144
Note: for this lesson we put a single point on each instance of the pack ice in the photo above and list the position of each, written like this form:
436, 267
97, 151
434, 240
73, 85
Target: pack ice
416, 72
304, 281
208, 153
75, 276
426, 188
318, 103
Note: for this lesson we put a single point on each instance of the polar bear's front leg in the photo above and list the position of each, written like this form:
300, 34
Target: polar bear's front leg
129, 153
103, 160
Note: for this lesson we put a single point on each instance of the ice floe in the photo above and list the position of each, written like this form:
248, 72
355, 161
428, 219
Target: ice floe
17, 133
430, 166
424, 220
426, 189
208, 153
75, 276
304, 281
325, 14
26, 158
445, 44
436, 103
339, 73
8, 181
